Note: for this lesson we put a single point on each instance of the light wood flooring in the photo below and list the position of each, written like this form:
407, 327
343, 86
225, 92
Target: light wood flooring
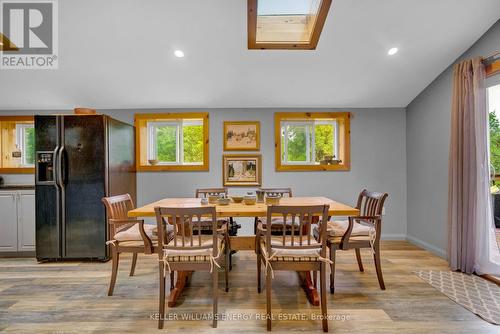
71, 297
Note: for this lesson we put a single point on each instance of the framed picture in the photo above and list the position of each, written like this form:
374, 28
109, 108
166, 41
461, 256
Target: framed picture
242, 136
241, 169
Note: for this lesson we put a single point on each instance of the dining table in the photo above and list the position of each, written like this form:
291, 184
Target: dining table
244, 242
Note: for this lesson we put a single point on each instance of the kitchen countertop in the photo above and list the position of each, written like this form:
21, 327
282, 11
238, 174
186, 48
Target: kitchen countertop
17, 187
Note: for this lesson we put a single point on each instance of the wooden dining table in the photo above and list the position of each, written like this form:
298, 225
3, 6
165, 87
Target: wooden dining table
244, 242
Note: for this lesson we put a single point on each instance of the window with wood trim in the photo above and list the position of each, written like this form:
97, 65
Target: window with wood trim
286, 24
175, 141
17, 144
312, 141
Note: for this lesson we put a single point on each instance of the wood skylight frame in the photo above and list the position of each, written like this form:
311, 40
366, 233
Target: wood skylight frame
310, 44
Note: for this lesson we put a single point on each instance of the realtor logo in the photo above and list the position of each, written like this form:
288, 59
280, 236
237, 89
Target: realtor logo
29, 34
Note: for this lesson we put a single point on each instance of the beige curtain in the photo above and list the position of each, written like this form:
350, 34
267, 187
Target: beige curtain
465, 181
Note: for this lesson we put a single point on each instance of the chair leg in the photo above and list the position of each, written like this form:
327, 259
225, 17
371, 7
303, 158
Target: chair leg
114, 272
322, 282
259, 274
315, 278
228, 245
378, 267
268, 297
172, 280
358, 257
332, 269
134, 262
161, 308
226, 269
215, 278
230, 260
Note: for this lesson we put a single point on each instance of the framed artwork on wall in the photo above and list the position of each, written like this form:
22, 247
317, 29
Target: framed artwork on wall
241, 170
242, 136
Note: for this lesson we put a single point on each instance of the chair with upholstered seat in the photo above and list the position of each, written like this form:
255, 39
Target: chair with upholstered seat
358, 232
207, 223
129, 235
294, 251
189, 249
276, 222
205, 193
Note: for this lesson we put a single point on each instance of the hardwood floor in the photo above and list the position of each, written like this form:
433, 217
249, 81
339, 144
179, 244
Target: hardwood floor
71, 298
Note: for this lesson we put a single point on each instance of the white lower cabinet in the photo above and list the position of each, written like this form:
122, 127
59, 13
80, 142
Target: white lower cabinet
17, 221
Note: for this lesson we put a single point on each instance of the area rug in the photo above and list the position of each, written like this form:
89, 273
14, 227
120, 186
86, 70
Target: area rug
472, 292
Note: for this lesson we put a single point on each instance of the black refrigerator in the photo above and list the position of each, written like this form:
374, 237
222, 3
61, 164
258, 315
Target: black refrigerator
79, 160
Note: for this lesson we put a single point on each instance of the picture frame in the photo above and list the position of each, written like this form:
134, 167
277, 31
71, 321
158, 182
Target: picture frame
242, 170
241, 135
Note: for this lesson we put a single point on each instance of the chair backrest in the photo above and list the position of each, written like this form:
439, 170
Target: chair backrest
188, 227
281, 192
297, 220
117, 207
205, 192
371, 203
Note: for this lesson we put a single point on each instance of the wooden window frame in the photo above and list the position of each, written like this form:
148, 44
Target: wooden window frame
493, 68
343, 136
15, 170
311, 45
141, 152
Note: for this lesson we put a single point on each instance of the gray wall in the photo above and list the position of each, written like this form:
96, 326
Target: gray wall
427, 142
378, 153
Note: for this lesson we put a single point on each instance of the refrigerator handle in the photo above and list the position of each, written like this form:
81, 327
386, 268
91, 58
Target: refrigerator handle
60, 179
55, 165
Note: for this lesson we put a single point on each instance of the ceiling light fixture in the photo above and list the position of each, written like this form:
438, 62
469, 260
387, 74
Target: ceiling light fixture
179, 53
392, 51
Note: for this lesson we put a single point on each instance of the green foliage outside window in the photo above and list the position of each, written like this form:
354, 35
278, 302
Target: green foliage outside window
193, 143
324, 134
494, 142
29, 149
297, 143
166, 143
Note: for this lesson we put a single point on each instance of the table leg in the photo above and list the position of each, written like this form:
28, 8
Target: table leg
308, 286
182, 278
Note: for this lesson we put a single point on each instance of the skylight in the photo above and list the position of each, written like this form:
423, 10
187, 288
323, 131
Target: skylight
285, 24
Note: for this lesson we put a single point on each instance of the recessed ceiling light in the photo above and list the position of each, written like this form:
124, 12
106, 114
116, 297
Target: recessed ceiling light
392, 51
179, 53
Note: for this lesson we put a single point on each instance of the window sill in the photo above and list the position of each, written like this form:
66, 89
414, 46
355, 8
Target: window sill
18, 170
166, 168
308, 168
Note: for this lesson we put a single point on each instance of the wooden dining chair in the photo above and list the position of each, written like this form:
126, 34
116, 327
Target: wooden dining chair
207, 223
190, 249
276, 222
204, 193
129, 235
295, 251
358, 232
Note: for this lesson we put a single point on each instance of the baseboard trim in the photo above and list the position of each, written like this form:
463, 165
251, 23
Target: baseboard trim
427, 246
393, 236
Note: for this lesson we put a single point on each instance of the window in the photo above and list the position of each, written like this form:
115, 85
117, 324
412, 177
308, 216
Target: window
176, 142
494, 124
312, 141
25, 141
17, 144
286, 24
308, 142
172, 141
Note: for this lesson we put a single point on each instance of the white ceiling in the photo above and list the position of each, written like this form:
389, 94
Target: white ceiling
119, 54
